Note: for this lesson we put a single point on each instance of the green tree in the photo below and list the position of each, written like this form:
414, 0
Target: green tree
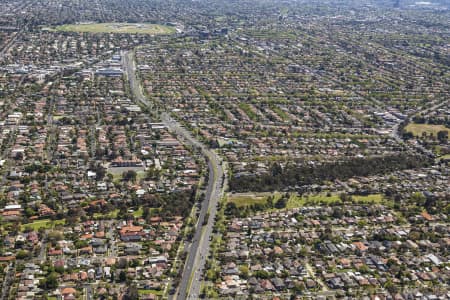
442, 136
122, 276
129, 175
281, 203
131, 294
244, 271
22, 254
418, 199
50, 282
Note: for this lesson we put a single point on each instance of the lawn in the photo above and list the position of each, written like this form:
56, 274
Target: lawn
248, 199
118, 175
374, 198
138, 213
140, 175
47, 223
447, 156
148, 292
142, 28
419, 129
296, 201
110, 215
243, 200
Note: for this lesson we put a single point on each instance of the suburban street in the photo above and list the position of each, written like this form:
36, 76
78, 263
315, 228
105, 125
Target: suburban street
6, 284
10, 43
89, 293
43, 250
189, 287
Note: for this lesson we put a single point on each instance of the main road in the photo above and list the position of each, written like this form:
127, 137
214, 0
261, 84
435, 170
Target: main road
189, 287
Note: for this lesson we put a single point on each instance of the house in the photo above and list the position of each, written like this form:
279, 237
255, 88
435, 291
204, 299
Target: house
132, 249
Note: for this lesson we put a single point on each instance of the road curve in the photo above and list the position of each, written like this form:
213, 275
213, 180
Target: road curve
189, 287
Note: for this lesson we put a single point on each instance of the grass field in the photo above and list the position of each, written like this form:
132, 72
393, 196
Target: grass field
118, 172
419, 129
248, 199
295, 201
138, 213
47, 223
142, 28
148, 292
447, 156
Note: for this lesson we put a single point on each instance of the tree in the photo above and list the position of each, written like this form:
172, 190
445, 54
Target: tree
145, 213
269, 202
364, 269
281, 203
122, 276
418, 199
389, 285
442, 136
345, 198
231, 209
55, 236
276, 169
302, 174
211, 275
211, 293
262, 274
110, 177
130, 175
100, 172
19, 156
50, 282
29, 212
81, 244
414, 235
122, 263
303, 252
22, 254
132, 293
244, 271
